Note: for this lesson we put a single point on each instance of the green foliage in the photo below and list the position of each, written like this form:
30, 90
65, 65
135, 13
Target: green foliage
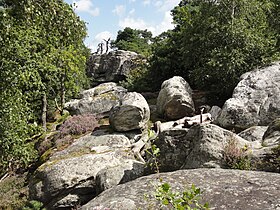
188, 199
133, 40
34, 205
235, 157
214, 43
138, 79
154, 153
42, 53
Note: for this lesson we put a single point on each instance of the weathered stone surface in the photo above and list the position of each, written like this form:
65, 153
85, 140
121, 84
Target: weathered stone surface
254, 133
215, 111
111, 67
222, 189
98, 100
70, 176
200, 146
255, 100
271, 136
132, 113
175, 99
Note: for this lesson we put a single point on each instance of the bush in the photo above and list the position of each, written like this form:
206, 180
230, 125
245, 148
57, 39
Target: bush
78, 125
235, 157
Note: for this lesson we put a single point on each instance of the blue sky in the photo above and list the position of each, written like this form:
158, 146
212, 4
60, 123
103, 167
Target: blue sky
105, 18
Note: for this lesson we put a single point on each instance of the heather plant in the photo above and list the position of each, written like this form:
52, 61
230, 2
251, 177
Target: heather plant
78, 125
235, 157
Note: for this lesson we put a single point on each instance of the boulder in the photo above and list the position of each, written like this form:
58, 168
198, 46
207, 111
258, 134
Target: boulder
84, 169
271, 136
111, 67
255, 100
254, 133
200, 146
132, 113
175, 99
222, 189
98, 100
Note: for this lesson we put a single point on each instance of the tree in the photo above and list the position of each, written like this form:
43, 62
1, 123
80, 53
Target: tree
133, 40
42, 58
217, 41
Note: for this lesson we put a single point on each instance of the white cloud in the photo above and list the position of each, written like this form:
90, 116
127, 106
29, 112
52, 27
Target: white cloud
135, 24
165, 25
86, 6
119, 10
147, 2
166, 5
131, 1
131, 12
100, 38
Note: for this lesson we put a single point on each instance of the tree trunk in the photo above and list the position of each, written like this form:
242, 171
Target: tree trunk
62, 91
44, 111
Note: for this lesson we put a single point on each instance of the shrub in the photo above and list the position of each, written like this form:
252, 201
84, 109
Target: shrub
188, 199
235, 157
78, 125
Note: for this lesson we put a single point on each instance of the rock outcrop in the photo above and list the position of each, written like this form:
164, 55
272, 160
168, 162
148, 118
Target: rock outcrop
271, 136
201, 146
111, 67
132, 113
90, 165
222, 189
175, 99
98, 100
255, 100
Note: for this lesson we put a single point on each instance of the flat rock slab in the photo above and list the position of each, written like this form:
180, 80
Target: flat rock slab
222, 189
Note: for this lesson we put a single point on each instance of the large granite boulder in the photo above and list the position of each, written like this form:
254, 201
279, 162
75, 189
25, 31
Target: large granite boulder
132, 113
111, 67
78, 173
222, 189
98, 100
255, 100
175, 99
200, 146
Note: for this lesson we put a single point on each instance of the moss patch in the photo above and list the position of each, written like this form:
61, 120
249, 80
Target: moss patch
13, 193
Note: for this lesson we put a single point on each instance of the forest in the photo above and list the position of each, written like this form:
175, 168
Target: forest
43, 59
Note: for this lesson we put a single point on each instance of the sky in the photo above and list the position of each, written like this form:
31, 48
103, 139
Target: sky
105, 18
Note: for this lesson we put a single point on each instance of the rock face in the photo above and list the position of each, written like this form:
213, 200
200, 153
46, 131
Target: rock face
255, 100
222, 189
90, 165
175, 99
199, 146
132, 113
98, 100
254, 133
271, 136
111, 67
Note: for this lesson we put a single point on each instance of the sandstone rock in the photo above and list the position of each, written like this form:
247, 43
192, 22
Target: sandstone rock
70, 176
254, 133
215, 111
132, 113
255, 100
271, 136
222, 189
98, 100
200, 146
175, 99
111, 67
